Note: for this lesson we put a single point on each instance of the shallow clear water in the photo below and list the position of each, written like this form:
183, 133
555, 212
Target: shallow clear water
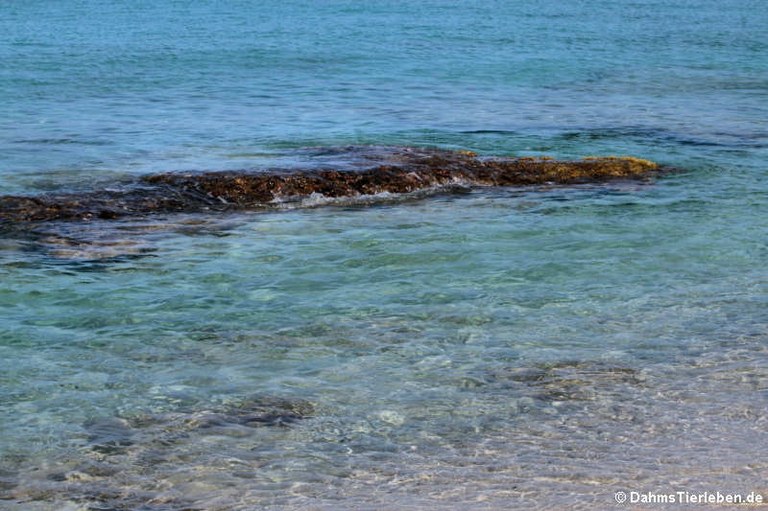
539, 348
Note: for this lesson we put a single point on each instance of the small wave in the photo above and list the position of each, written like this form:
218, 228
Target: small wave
61, 141
317, 200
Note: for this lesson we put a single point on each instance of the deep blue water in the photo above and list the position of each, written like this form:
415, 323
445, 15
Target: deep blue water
505, 348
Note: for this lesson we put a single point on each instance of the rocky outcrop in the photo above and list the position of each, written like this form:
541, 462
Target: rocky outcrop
352, 172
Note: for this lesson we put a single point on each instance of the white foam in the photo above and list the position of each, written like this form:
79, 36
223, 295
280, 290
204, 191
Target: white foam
315, 199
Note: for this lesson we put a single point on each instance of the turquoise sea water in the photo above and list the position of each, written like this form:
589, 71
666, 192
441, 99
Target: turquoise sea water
507, 348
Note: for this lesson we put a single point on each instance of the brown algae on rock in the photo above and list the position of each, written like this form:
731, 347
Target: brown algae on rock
355, 172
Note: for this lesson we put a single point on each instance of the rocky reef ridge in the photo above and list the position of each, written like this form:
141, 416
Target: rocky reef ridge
350, 172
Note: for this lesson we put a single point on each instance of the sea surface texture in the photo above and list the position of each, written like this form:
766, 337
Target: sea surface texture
499, 348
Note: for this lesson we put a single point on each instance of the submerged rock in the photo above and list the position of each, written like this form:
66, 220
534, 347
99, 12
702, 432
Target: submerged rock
109, 435
113, 435
250, 413
567, 381
352, 172
8, 481
135, 462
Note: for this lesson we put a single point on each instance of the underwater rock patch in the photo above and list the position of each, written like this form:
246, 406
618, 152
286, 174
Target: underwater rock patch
567, 381
352, 172
125, 457
8, 482
251, 413
109, 435
114, 436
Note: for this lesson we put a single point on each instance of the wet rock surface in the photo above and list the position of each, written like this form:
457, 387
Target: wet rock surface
332, 173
